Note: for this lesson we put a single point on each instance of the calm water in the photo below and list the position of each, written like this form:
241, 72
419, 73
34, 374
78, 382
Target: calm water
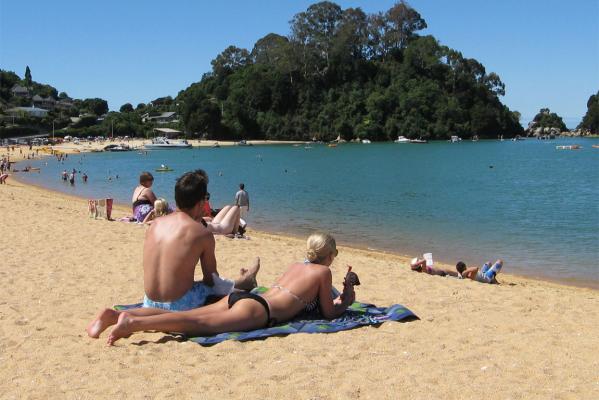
526, 202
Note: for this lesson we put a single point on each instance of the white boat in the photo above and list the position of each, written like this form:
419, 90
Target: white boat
366, 141
475, 138
455, 139
418, 141
402, 139
162, 143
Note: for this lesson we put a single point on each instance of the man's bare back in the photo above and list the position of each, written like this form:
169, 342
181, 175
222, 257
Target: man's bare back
173, 246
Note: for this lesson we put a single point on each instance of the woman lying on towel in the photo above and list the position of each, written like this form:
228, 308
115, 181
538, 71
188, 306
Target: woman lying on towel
304, 286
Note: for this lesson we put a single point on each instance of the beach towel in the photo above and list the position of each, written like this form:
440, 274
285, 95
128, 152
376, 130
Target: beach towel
357, 315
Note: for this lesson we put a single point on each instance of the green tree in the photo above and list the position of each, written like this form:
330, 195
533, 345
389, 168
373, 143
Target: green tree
28, 79
96, 106
590, 121
126, 108
546, 119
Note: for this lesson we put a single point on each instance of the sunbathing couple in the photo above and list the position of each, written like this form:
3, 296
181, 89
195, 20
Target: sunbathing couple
175, 303
486, 274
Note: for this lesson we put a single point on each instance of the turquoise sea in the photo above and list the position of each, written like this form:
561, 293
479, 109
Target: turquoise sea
526, 202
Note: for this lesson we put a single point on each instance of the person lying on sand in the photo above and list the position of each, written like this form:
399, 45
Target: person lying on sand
226, 221
173, 246
419, 265
304, 286
486, 274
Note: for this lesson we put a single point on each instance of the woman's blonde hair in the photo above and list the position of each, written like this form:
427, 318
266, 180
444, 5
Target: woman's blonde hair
320, 246
160, 207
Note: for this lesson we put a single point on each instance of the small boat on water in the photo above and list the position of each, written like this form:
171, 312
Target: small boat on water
595, 146
402, 139
332, 144
366, 141
162, 143
418, 141
243, 143
455, 139
475, 138
164, 168
569, 147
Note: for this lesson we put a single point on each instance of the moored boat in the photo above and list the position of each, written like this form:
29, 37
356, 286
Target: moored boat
402, 139
161, 143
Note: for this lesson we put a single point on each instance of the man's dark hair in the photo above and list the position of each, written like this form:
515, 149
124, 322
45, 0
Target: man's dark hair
241, 186
190, 189
202, 173
460, 266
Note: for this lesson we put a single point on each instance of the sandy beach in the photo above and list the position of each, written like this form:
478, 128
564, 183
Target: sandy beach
523, 339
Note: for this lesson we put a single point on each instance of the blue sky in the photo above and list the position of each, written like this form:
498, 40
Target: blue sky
545, 51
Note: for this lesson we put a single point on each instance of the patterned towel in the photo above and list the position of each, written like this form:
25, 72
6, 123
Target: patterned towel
358, 314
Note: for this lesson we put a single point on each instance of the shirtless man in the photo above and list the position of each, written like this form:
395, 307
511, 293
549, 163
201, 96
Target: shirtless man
486, 274
173, 246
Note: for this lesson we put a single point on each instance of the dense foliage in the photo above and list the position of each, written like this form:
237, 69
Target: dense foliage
546, 119
344, 72
590, 121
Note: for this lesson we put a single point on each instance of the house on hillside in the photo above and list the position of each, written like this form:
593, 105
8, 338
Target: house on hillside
31, 111
64, 104
44, 102
20, 91
163, 118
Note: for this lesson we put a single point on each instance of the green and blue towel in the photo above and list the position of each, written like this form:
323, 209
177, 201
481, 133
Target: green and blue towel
358, 314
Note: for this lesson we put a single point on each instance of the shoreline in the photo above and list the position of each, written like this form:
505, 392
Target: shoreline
404, 258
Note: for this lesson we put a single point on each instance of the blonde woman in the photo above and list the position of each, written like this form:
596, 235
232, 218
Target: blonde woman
304, 286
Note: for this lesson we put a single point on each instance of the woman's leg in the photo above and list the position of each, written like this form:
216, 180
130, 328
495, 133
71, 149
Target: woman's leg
221, 214
245, 315
226, 221
109, 316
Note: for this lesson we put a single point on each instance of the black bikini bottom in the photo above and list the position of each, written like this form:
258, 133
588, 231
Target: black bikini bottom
236, 296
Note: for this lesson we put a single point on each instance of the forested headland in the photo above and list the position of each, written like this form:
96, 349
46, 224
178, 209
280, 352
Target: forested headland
345, 72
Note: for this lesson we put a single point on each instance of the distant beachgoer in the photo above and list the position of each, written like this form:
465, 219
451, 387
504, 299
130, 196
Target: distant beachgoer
143, 197
3, 178
84, 177
242, 199
72, 178
304, 286
65, 175
419, 265
486, 274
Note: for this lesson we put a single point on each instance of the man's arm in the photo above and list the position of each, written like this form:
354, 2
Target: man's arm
208, 259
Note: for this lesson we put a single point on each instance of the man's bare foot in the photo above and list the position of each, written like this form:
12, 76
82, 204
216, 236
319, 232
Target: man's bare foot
247, 277
121, 329
103, 320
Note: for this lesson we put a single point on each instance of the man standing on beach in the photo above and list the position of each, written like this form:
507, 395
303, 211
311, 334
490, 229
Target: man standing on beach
242, 199
173, 246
